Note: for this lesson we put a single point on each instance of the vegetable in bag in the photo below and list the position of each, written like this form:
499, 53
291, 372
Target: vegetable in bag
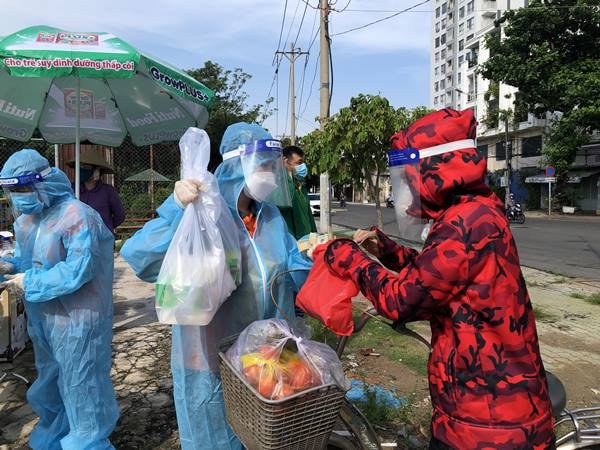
202, 266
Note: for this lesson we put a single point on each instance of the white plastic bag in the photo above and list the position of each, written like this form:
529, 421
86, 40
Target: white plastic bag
202, 265
280, 361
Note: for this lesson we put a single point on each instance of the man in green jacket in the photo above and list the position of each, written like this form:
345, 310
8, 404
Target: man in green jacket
299, 218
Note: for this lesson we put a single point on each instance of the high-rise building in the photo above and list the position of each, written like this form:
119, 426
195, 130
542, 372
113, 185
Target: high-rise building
459, 31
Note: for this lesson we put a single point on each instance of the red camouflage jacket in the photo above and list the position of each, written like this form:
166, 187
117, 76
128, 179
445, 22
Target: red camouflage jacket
486, 377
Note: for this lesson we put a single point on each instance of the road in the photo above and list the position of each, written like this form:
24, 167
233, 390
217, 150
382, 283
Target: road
567, 247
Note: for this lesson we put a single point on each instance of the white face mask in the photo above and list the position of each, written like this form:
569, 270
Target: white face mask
260, 185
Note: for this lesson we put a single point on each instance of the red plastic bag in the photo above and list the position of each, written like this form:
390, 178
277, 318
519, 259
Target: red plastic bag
327, 297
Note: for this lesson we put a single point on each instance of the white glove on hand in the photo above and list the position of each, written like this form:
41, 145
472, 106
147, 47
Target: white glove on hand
6, 267
187, 191
14, 283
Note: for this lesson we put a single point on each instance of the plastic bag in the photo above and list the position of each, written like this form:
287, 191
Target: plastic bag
202, 265
279, 362
327, 297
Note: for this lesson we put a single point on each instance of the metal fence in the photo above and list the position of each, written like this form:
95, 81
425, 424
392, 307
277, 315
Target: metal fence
143, 176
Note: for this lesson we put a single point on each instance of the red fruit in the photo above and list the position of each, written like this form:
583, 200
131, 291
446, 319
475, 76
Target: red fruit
269, 352
266, 384
252, 374
302, 377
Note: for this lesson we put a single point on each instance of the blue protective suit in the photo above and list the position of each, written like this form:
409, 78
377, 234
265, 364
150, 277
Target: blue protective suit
66, 253
194, 358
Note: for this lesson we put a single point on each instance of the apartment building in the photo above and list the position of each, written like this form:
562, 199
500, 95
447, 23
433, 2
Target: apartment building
459, 29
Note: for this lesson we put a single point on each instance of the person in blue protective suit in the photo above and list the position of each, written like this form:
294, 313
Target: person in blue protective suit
64, 268
268, 250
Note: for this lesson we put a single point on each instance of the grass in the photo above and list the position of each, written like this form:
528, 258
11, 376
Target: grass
394, 346
541, 314
593, 299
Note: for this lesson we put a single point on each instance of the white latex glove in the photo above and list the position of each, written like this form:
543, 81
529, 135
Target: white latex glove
187, 191
6, 267
14, 283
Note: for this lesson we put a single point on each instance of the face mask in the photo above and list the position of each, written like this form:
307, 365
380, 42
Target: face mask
301, 171
27, 202
260, 185
85, 174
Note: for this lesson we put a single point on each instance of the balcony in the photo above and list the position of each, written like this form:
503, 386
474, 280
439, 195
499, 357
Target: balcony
472, 62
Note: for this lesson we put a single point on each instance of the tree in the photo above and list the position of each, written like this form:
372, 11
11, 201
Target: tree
230, 102
551, 53
353, 144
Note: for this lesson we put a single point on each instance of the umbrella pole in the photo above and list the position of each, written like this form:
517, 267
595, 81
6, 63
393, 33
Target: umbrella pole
77, 137
152, 178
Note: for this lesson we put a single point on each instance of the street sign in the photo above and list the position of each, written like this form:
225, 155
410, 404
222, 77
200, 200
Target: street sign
540, 180
550, 171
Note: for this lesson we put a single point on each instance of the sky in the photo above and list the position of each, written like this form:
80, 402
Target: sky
390, 58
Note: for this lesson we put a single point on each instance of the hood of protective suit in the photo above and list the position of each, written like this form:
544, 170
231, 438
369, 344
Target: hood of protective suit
440, 180
55, 186
230, 175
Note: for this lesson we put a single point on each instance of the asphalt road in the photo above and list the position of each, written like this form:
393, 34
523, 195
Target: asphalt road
568, 247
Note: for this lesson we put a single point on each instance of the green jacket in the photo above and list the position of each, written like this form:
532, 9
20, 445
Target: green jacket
299, 219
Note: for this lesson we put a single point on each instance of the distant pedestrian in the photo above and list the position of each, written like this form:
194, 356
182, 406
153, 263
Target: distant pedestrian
97, 194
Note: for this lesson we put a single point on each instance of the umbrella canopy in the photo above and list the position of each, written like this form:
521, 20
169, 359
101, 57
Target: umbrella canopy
80, 86
147, 175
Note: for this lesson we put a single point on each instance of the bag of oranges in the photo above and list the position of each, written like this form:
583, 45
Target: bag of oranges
279, 362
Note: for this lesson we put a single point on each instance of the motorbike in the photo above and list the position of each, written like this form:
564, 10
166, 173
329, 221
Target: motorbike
389, 202
514, 213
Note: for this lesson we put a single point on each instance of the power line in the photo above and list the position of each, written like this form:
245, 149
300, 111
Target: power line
291, 25
308, 58
382, 19
281, 30
301, 22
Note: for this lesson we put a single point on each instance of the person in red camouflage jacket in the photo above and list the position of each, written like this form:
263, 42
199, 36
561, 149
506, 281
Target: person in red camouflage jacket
486, 378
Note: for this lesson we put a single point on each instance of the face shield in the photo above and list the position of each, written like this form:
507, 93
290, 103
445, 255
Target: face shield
21, 193
265, 177
407, 186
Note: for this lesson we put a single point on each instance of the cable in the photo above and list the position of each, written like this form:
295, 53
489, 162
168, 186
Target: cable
301, 22
291, 25
382, 19
281, 30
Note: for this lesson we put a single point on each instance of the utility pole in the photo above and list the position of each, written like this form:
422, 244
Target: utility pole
508, 155
325, 187
291, 56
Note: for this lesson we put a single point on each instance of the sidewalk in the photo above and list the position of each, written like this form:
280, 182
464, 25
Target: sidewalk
569, 330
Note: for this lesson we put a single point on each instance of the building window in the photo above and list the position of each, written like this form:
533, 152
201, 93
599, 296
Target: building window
436, 86
470, 7
437, 42
500, 151
443, 39
531, 146
437, 27
437, 12
442, 98
437, 56
444, 8
461, 58
470, 23
459, 77
443, 53
443, 68
435, 101
443, 23
461, 45
436, 72
482, 149
461, 28
469, 37
461, 12
442, 84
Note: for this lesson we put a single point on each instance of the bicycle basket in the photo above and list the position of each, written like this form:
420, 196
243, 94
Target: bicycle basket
302, 421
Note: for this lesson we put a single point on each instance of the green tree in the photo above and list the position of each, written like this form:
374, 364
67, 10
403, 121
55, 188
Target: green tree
551, 53
353, 145
230, 103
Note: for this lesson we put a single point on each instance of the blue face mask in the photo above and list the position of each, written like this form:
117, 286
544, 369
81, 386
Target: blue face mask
26, 202
301, 171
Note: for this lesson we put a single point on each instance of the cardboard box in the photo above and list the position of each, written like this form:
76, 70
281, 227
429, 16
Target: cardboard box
13, 326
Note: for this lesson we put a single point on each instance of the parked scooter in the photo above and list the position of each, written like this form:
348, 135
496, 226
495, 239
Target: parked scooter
389, 202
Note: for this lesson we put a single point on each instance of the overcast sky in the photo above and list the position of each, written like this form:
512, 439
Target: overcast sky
390, 58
